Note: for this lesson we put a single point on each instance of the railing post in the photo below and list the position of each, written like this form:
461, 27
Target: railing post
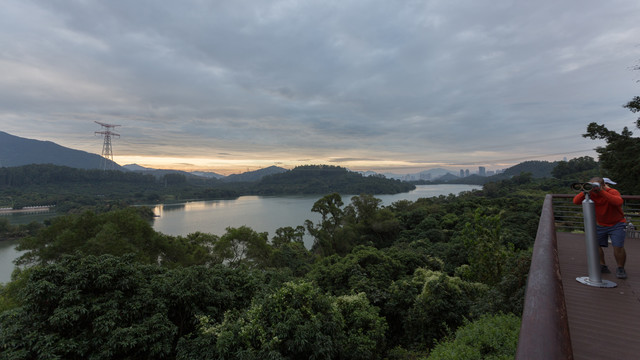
591, 242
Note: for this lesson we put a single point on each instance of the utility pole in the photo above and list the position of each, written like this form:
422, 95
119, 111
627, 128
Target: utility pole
107, 150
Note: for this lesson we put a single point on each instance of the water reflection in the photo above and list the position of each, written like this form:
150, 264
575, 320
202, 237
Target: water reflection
172, 207
265, 213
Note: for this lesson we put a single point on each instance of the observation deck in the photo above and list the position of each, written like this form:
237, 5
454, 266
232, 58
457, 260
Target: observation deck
565, 319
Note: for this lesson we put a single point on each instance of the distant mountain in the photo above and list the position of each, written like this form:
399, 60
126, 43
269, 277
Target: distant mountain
448, 177
157, 173
207, 174
537, 168
252, 176
18, 151
136, 167
326, 179
429, 174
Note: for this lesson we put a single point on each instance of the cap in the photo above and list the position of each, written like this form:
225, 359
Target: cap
609, 181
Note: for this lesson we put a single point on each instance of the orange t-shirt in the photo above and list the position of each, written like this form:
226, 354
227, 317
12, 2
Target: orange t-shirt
608, 203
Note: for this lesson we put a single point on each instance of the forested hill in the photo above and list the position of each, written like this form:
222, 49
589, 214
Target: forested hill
18, 151
324, 179
251, 176
537, 168
70, 188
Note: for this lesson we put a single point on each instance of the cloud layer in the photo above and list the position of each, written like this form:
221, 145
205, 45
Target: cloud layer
365, 84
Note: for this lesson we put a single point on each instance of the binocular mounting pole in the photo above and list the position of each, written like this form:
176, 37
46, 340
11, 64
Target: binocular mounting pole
591, 241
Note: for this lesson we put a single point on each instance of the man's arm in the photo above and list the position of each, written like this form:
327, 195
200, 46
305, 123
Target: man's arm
612, 196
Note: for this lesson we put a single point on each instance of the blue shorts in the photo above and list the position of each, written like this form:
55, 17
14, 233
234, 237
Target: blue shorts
617, 233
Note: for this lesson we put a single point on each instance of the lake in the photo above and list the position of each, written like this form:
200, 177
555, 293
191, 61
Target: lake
265, 213
261, 213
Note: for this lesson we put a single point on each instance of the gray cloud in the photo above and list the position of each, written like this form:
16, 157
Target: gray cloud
418, 81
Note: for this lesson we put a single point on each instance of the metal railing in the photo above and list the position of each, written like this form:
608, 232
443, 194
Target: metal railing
544, 333
568, 216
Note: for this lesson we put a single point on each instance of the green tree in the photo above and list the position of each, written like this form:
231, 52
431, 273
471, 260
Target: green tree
487, 250
619, 158
10, 292
117, 233
174, 179
634, 105
287, 235
195, 291
106, 307
492, 337
289, 251
364, 330
424, 307
89, 307
295, 322
370, 224
365, 269
194, 249
584, 167
243, 246
329, 234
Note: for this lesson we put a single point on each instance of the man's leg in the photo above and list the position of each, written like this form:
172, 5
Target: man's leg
617, 240
602, 236
621, 255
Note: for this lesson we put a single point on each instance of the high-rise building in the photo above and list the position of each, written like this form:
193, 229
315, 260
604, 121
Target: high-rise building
466, 172
461, 173
482, 171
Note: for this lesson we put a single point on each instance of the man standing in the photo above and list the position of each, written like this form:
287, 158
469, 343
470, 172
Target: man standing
610, 222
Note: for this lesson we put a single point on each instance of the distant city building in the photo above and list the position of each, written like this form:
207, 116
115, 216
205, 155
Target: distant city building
490, 172
466, 172
482, 171
425, 176
461, 173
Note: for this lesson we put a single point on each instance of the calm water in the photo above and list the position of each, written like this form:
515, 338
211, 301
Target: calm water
7, 248
7, 254
261, 213
265, 213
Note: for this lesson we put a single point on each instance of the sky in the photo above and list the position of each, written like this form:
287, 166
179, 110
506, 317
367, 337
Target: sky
388, 86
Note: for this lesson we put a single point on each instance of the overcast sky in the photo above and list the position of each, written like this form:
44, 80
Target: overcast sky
370, 85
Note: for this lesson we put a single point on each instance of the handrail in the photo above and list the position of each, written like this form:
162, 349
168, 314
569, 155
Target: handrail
544, 332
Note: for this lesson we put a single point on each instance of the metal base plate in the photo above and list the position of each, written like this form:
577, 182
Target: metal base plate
603, 284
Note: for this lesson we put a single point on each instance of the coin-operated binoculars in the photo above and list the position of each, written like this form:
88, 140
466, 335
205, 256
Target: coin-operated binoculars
586, 187
591, 241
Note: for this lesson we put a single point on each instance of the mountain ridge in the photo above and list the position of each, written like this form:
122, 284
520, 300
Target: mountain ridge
18, 151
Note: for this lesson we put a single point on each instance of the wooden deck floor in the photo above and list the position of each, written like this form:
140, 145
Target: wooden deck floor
604, 323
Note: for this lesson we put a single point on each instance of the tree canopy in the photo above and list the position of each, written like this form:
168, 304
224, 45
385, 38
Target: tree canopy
619, 158
381, 282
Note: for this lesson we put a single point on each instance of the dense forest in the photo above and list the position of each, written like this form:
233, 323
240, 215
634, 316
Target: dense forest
410, 280
436, 278
75, 190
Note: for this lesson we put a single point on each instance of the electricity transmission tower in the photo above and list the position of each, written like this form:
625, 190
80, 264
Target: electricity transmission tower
107, 150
